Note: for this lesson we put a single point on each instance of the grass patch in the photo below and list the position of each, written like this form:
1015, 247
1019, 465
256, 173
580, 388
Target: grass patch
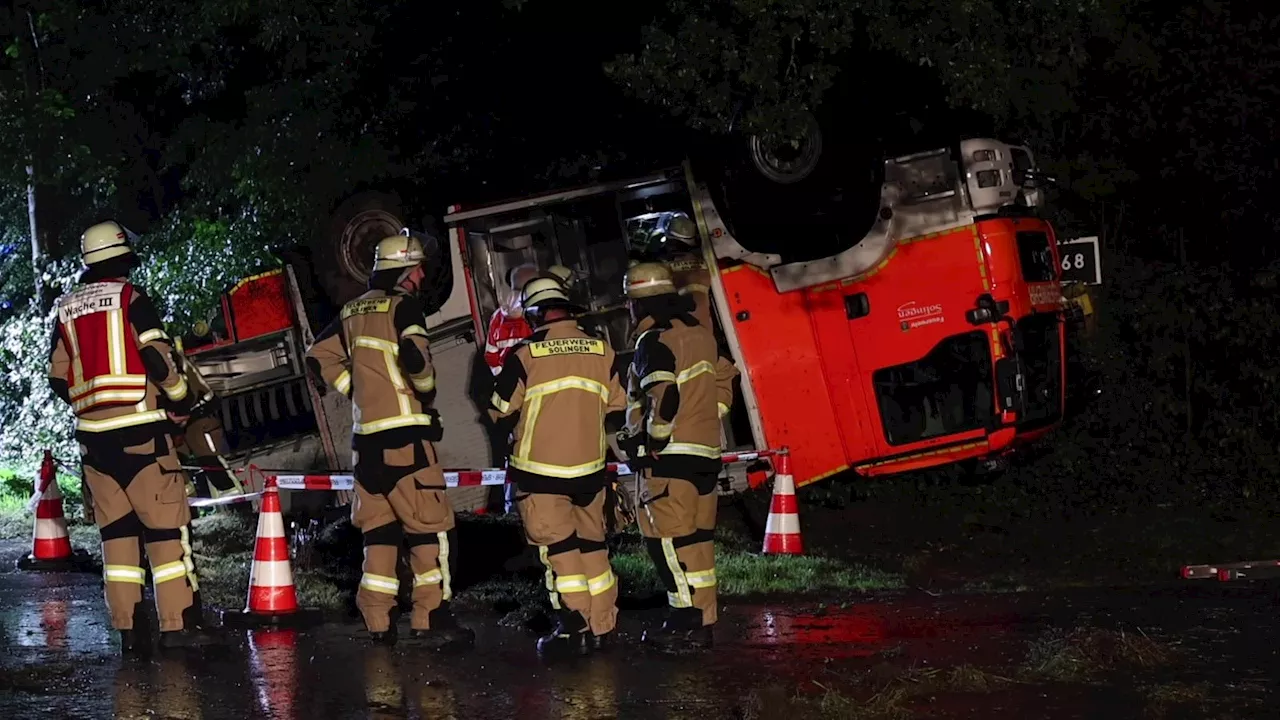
742, 571
223, 547
894, 699
1170, 697
1080, 653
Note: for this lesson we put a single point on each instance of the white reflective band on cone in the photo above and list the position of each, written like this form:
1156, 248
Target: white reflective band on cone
788, 524
271, 573
49, 529
270, 525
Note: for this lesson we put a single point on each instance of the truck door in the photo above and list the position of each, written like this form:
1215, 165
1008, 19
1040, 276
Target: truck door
921, 372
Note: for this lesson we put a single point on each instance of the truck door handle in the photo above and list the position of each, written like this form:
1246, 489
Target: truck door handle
857, 306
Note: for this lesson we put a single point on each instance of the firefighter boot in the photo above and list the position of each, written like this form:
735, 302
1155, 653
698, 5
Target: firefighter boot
136, 641
571, 637
682, 631
445, 633
193, 634
389, 636
605, 642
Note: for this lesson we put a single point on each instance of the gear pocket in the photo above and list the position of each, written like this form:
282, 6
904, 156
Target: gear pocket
168, 508
431, 508
398, 457
653, 489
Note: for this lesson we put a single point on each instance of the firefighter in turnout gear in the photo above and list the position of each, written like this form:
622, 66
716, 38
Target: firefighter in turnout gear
688, 270
679, 389
376, 353
555, 391
113, 363
203, 437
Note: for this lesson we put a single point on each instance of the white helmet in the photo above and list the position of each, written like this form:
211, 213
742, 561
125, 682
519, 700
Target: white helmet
563, 274
398, 251
103, 242
543, 292
682, 229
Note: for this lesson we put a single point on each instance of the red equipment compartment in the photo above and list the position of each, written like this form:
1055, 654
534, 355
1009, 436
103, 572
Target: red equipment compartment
259, 305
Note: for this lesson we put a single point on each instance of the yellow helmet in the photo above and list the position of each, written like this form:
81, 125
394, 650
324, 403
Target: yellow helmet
647, 280
682, 228
541, 292
103, 242
562, 273
398, 251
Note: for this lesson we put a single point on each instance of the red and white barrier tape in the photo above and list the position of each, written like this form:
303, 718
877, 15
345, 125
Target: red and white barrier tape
462, 478
228, 500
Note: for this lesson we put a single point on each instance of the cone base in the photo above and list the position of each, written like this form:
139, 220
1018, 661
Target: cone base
783, 545
79, 561
301, 617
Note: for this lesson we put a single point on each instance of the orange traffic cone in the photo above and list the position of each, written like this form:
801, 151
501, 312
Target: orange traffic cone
273, 600
782, 529
50, 543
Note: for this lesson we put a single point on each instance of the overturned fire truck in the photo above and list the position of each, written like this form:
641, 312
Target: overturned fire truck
935, 338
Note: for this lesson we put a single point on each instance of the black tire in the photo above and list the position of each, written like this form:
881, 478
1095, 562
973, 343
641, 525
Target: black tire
822, 205
343, 248
438, 283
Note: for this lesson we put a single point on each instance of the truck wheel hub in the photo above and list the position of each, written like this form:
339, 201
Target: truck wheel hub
788, 160
360, 239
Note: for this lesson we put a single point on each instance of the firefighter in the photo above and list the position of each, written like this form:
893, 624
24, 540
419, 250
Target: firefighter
507, 326
203, 437
112, 362
376, 353
689, 272
555, 391
679, 388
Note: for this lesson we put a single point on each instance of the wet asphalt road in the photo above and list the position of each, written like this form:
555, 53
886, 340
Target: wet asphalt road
57, 659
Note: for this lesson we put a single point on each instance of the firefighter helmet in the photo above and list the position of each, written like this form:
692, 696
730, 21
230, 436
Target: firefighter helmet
563, 274
648, 279
681, 228
543, 292
103, 242
398, 251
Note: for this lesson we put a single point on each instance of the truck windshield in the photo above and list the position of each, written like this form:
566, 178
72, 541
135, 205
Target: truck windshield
947, 391
1036, 259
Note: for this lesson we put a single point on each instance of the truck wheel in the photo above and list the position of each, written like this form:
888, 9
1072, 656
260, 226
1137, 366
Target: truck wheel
344, 247
803, 198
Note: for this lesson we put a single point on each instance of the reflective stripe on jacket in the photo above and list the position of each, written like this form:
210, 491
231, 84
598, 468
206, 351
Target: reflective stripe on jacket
679, 388
558, 385
359, 356
99, 338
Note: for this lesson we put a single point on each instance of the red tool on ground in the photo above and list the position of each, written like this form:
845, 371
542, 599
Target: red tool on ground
1244, 570
782, 529
50, 543
273, 600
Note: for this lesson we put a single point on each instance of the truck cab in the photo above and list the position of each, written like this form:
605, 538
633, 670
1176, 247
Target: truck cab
934, 339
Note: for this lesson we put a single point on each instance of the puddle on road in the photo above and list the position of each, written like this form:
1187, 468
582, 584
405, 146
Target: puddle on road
331, 672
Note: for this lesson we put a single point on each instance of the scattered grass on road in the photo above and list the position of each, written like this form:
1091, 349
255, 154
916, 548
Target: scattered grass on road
1079, 656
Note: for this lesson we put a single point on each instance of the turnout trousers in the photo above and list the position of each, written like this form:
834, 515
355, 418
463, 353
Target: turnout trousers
569, 533
678, 522
140, 499
414, 510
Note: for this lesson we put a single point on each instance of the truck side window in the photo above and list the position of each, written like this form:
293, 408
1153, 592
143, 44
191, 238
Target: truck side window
947, 391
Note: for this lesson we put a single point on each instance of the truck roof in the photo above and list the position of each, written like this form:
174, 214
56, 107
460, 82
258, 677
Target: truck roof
457, 214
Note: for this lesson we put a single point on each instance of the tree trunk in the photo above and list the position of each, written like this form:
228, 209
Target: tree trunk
38, 253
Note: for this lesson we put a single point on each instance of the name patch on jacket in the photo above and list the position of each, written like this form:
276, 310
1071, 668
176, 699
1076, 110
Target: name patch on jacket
91, 299
364, 307
683, 265
566, 346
